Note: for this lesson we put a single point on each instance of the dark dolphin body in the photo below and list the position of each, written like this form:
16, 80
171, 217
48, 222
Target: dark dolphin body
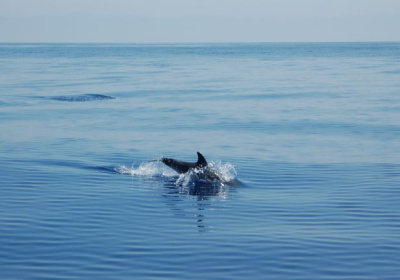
183, 166
201, 167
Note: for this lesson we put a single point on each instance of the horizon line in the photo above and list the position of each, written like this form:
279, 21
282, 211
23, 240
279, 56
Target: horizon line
199, 42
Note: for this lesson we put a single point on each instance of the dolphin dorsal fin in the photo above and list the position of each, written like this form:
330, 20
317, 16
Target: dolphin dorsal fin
201, 161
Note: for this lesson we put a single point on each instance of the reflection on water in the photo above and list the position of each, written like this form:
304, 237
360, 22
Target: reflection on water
190, 201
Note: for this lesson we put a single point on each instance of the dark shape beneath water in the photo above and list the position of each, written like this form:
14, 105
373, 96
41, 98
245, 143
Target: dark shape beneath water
82, 97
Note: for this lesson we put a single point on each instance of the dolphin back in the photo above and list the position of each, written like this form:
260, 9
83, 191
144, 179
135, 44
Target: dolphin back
177, 165
183, 166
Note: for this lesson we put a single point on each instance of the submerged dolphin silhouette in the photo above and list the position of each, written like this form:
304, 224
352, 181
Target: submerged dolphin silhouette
183, 166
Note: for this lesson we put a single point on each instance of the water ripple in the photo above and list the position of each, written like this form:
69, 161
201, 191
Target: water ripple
311, 129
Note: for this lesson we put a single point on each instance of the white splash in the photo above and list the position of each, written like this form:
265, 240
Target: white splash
146, 169
226, 171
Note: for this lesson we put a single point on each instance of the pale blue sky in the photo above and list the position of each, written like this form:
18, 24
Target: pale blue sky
140, 21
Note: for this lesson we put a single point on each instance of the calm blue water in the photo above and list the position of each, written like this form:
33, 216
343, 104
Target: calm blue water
310, 133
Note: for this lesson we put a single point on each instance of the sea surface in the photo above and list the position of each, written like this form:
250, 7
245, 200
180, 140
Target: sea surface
305, 135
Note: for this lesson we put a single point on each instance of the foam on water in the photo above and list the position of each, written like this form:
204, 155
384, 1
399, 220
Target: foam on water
146, 169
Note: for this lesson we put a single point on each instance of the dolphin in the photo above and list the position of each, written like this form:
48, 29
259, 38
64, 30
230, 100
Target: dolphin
183, 166
201, 168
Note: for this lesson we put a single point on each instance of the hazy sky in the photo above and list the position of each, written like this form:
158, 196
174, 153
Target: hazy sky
138, 21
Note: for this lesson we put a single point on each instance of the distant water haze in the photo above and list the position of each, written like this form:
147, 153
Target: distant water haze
199, 21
